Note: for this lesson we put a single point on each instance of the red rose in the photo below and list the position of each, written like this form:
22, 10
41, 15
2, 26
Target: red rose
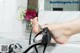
30, 14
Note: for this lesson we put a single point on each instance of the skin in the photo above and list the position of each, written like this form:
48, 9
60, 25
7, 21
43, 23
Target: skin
61, 32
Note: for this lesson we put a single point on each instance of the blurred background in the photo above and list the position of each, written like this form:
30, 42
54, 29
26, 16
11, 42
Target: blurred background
61, 7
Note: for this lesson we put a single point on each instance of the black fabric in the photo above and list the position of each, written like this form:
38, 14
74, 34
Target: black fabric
45, 40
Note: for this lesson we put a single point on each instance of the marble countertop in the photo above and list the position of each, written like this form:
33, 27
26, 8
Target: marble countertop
72, 46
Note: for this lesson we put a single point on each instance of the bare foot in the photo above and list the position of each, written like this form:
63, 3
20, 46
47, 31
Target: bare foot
60, 33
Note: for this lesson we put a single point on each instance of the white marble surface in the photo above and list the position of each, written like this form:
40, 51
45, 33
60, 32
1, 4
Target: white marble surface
67, 48
47, 17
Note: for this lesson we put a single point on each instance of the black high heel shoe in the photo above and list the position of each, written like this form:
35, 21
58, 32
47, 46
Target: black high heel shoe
45, 40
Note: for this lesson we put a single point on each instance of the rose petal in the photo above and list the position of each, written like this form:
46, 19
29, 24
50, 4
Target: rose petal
30, 14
